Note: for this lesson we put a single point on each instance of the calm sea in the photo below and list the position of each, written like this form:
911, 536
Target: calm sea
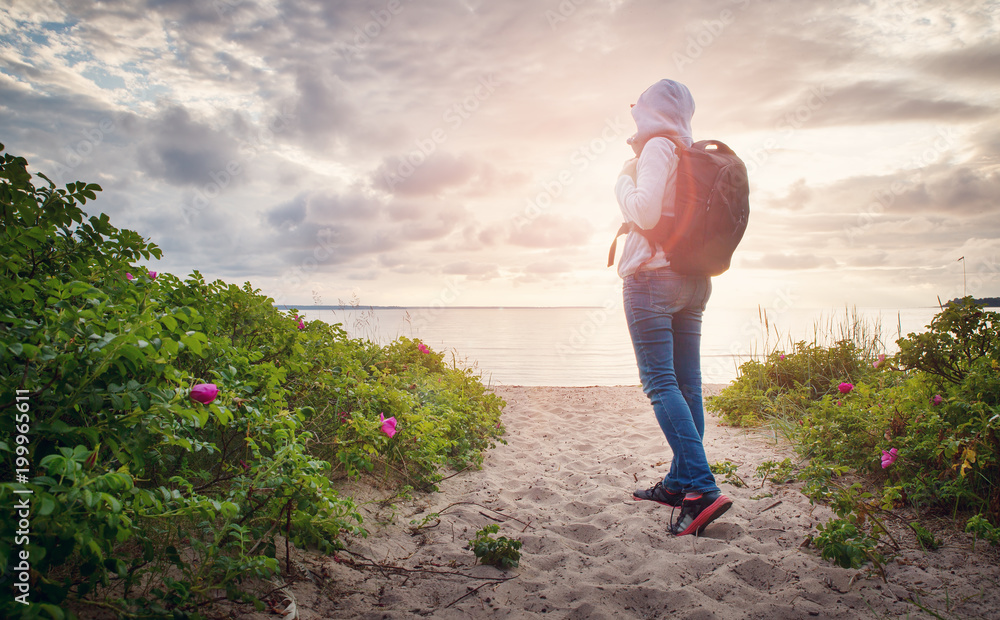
591, 346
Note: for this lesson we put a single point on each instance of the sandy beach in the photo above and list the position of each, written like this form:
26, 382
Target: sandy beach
563, 485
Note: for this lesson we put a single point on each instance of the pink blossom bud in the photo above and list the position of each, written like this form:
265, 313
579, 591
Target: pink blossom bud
204, 393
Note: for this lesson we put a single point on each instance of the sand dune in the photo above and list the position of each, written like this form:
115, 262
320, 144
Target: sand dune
563, 484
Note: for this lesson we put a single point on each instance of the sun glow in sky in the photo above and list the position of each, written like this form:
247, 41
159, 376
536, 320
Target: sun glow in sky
464, 152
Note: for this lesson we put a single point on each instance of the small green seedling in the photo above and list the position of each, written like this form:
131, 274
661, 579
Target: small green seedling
502, 552
728, 469
778, 472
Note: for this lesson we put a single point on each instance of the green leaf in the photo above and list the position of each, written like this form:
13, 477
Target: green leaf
193, 343
169, 346
169, 322
112, 502
46, 507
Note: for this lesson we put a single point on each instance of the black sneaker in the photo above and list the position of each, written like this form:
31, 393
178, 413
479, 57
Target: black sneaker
698, 513
659, 495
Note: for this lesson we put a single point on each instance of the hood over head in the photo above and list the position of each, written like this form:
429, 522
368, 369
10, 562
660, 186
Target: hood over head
665, 108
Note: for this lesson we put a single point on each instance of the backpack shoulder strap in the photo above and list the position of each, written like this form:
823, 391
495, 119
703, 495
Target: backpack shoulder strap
625, 228
678, 144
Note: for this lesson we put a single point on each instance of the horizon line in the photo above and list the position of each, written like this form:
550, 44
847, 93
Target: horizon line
398, 307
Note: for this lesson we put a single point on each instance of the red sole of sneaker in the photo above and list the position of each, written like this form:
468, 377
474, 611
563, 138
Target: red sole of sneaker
713, 512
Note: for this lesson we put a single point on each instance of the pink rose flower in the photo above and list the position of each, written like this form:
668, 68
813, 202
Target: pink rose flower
888, 457
845, 387
879, 361
129, 276
388, 424
152, 275
937, 400
423, 348
204, 393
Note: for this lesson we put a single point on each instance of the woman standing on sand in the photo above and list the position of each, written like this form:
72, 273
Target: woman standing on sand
664, 309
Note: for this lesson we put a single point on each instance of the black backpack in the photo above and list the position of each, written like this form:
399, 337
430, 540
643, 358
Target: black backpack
711, 210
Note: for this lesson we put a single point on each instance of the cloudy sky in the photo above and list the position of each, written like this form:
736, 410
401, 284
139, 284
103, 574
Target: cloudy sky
424, 152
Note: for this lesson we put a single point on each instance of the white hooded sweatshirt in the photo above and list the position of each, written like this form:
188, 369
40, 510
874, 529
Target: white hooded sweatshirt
665, 108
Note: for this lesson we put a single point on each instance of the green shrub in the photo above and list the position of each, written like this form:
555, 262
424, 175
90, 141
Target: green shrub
779, 473
936, 403
925, 538
502, 552
983, 529
841, 541
145, 501
962, 334
728, 469
785, 383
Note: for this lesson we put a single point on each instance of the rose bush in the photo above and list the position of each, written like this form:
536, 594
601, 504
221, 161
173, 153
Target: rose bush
177, 427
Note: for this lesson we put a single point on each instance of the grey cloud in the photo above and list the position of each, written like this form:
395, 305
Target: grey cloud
986, 143
853, 208
417, 174
965, 190
395, 260
334, 229
871, 102
976, 63
408, 210
289, 214
807, 45
940, 188
54, 122
19, 68
182, 151
236, 70
312, 248
416, 220
336, 207
414, 174
799, 195
428, 229
324, 106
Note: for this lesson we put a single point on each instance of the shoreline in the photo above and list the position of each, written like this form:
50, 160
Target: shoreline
562, 485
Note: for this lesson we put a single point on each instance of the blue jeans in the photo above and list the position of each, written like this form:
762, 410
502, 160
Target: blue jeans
664, 311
